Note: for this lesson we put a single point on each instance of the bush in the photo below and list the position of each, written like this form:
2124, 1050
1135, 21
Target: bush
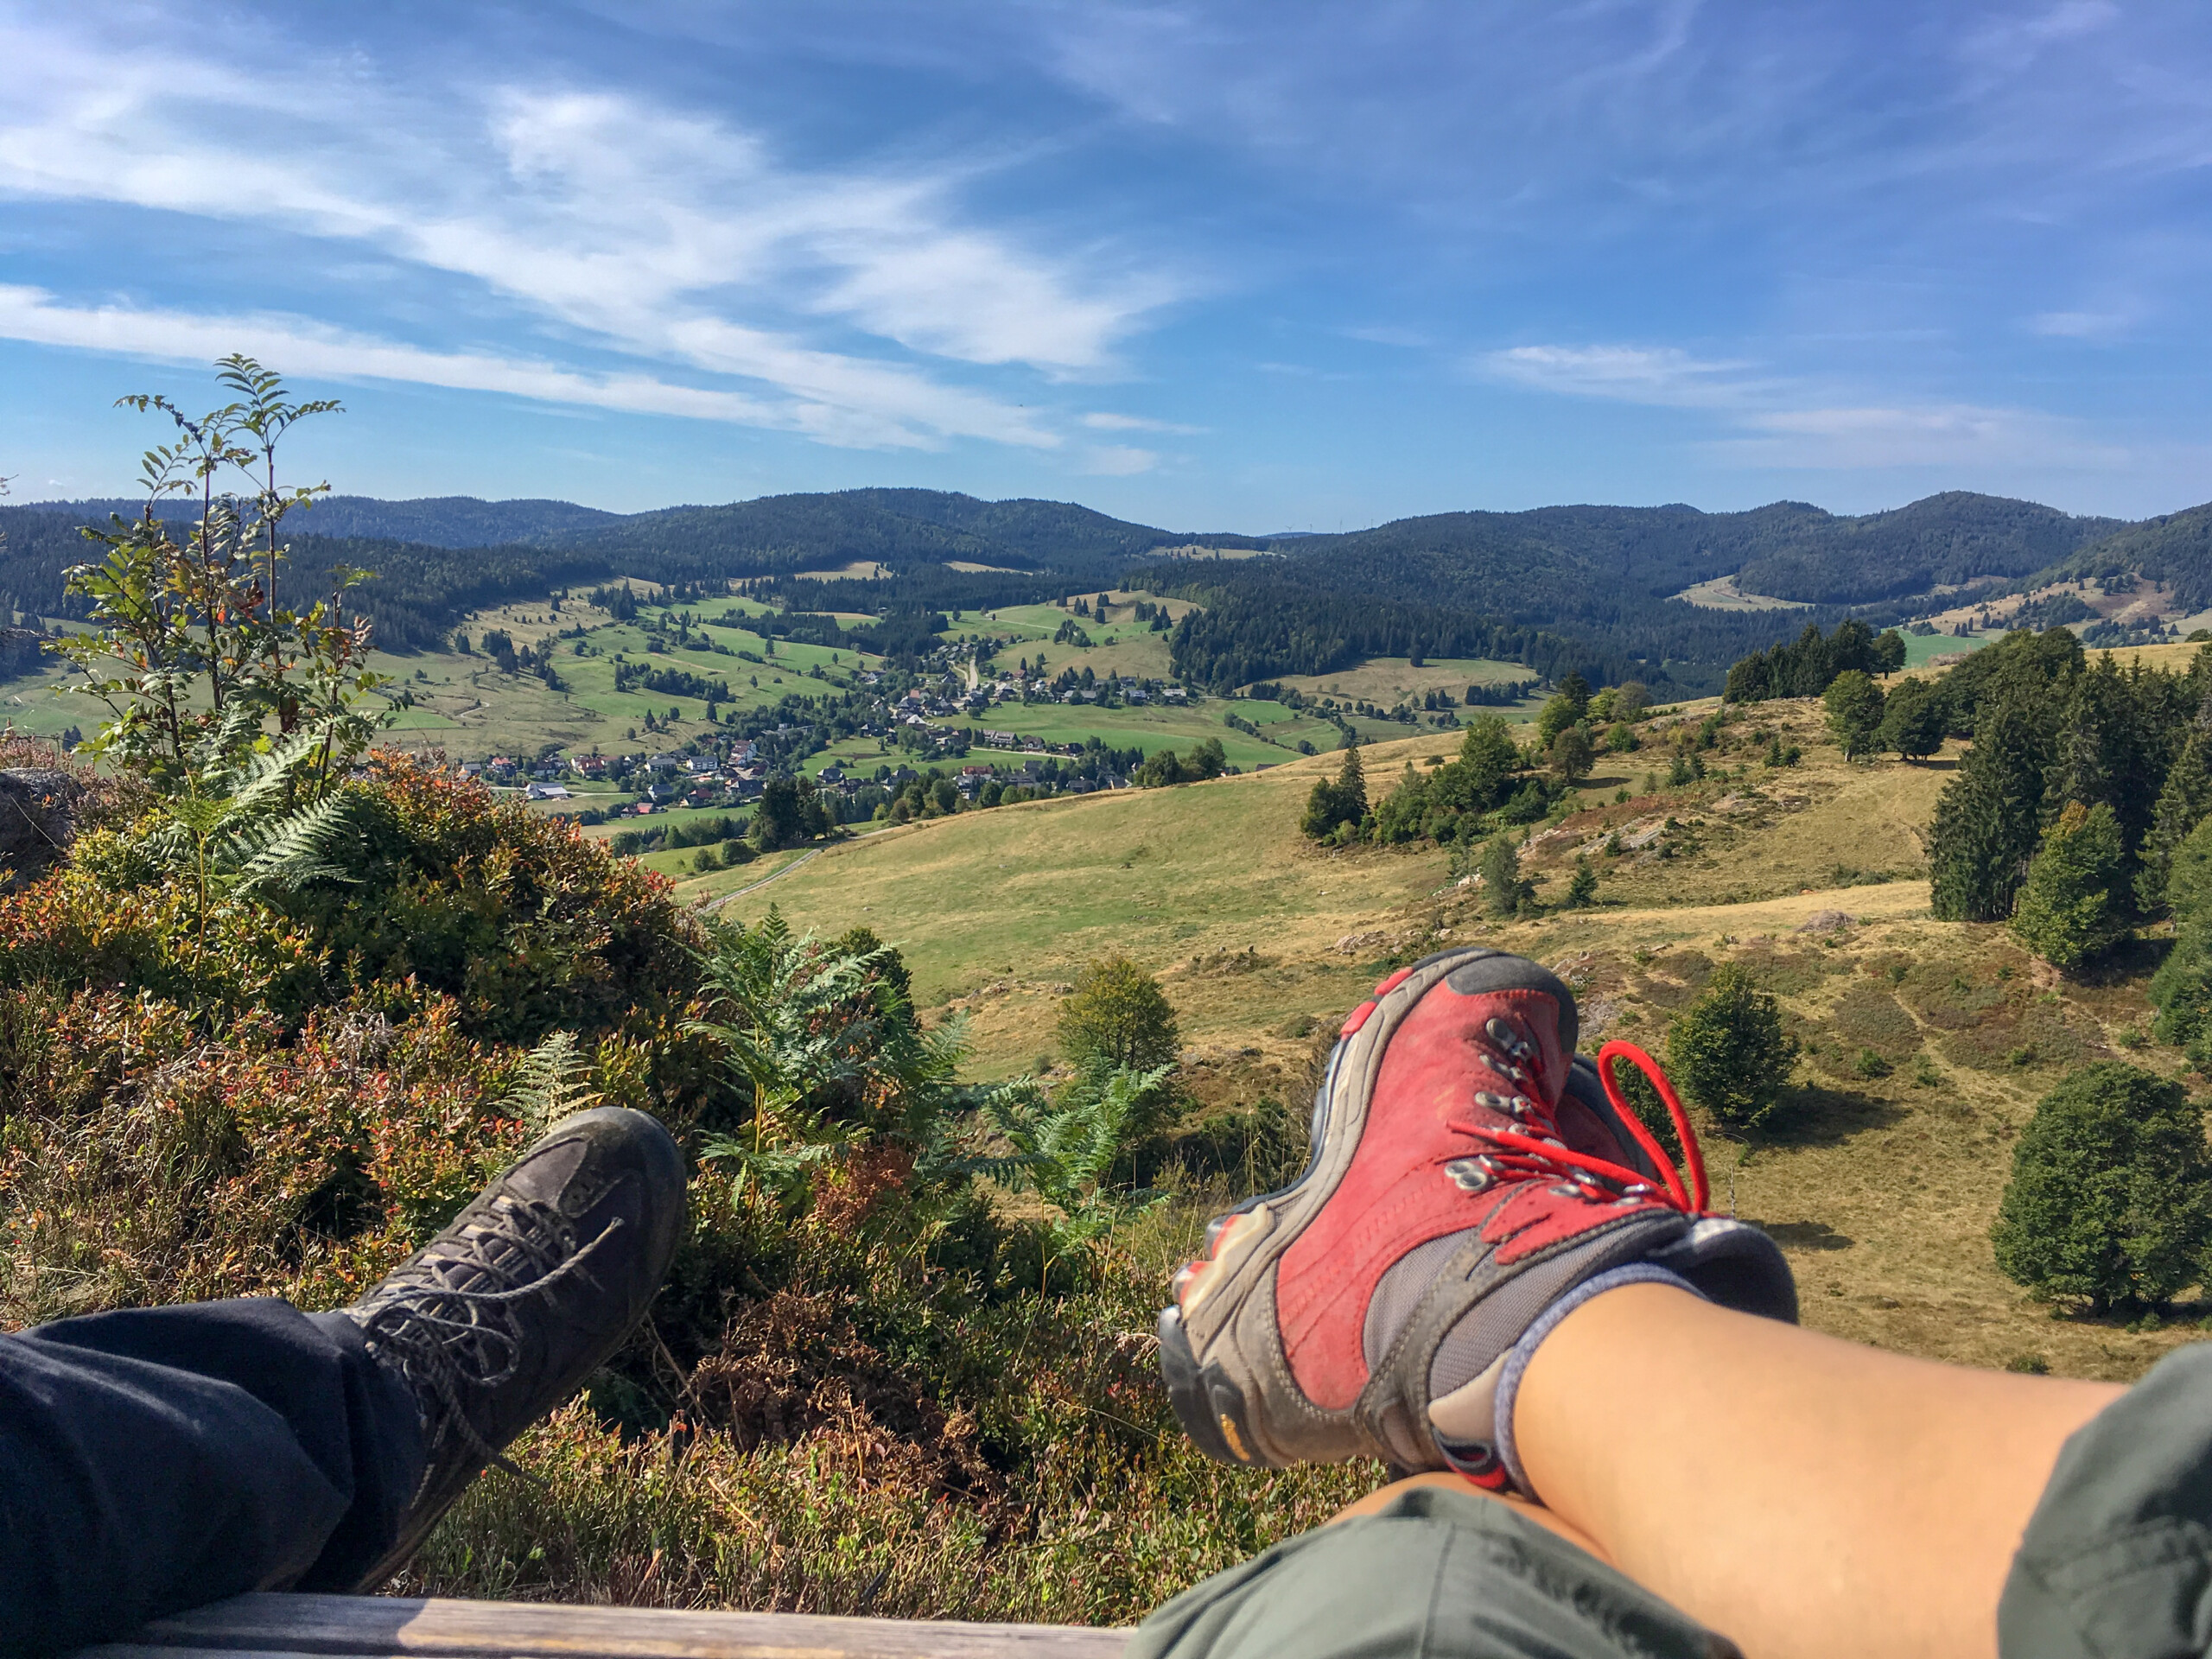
2073, 907
1728, 1053
2110, 1203
1118, 1015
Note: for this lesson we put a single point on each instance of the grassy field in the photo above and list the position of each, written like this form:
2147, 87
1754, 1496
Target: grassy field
1389, 680
1881, 1189
1121, 646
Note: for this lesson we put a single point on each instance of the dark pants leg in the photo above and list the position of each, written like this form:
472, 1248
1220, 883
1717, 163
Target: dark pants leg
153, 1460
1437, 1575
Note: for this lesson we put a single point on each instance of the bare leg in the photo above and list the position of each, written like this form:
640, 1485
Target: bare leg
1801, 1495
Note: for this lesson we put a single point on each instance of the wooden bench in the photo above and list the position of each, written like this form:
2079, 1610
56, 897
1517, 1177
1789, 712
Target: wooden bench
267, 1626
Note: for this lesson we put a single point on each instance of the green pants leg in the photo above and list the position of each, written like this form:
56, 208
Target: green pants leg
1436, 1574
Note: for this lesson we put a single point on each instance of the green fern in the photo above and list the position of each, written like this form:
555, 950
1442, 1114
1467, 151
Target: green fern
550, 1084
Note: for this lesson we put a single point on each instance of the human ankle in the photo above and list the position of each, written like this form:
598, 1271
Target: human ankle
1454, 1418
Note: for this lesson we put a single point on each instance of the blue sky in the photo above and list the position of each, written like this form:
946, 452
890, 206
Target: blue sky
1280, 264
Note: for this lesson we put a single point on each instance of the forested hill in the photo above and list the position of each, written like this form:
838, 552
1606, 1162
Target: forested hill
1787, 550
418, 592
2175, 548
432, 521
780, 535
1598, 582
1587, 586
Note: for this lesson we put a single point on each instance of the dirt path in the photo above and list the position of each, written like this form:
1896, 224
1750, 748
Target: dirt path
807, 856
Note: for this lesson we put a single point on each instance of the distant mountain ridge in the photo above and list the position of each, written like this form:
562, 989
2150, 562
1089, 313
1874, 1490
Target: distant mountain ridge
1586, 586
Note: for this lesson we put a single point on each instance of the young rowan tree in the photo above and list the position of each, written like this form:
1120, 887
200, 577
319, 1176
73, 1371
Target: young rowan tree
1117, 1015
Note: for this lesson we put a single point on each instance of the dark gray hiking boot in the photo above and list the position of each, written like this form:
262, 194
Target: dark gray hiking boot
504, 1315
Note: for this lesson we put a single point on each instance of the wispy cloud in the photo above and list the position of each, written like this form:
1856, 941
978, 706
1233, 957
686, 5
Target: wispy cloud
630, 227
1637, 374
1950, 437
1792, 422
2082, 325
1118, 461
307, 348
1103, 421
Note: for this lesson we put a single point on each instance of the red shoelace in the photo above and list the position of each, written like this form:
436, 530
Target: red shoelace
1543, 1156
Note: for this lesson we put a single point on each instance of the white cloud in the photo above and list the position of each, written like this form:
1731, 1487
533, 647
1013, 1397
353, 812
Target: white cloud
305, 348
653, 234
1791, 424
1118, 461
1635, 374
1952, 435
1102, 421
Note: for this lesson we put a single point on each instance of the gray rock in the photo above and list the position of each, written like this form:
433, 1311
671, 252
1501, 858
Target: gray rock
37, 819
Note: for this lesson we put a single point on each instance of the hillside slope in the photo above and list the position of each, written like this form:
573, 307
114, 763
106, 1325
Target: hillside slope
1928, 1043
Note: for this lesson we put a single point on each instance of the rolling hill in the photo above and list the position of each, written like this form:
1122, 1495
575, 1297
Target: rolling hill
1596, 588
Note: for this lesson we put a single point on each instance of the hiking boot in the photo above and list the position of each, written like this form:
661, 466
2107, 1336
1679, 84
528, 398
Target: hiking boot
1467, 1173
503, 1316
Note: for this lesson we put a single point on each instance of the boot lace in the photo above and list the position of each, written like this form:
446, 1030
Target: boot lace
447, 1341
1535, 1151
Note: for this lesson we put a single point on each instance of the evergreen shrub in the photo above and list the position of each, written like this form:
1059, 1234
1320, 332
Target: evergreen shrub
2110, 1201
1728, 1053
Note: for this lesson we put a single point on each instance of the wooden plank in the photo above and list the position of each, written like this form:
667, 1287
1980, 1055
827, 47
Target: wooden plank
281, 1627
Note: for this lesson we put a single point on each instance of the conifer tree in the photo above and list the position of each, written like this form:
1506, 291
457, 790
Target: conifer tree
2182, 988
2110, 1203
1339, 801
1566, 706
2183, 802
1504, 890
1491, 759
1853, 702
1985, 827
1351, 783
2073, 908
1582, 891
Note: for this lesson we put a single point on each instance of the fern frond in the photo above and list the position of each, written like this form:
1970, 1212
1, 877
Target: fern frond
548, 1087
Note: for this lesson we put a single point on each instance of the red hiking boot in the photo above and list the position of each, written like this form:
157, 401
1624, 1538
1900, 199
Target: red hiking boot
1467, 1173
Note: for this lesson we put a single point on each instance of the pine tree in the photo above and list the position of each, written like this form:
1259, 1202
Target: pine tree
1491, 759
1566, 706
1985, 827
2182, 988
1503, 890
1582, 890
2073, 906
1729, 1051
2185, 803
1351, 783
